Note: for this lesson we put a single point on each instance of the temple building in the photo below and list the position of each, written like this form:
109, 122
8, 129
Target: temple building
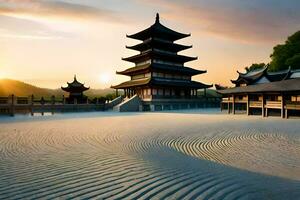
75, 90
265, 93
159, 78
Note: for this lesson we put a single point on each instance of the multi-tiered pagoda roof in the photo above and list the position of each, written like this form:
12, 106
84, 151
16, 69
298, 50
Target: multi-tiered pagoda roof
75, 87
159, 52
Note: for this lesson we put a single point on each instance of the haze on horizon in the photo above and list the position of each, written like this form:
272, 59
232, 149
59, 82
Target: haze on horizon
46, 42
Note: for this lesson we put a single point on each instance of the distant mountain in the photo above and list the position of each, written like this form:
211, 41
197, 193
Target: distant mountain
19, 88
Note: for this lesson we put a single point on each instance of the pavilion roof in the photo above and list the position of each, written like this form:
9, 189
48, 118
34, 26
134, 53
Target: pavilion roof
75, 86
250, 76
162, 67
290, 85
158, 30
162, 82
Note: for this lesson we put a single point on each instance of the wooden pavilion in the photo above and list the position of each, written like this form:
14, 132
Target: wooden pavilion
75, 90
264, 92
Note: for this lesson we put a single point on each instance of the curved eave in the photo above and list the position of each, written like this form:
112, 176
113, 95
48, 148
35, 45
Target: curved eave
158, 44
157, 29
161, 67
179, 83
290, 85
164, 56
132, 83
258, 73
76, 89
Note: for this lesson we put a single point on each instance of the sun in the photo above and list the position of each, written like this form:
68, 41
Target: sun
3, 75
105, 78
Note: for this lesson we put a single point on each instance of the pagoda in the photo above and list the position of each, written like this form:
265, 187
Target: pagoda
159, 77
75, 90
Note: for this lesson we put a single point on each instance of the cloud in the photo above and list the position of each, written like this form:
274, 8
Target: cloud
16, 28
54, 9
31, 19
258, 21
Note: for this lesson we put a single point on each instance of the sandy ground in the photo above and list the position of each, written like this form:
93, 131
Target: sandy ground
200, 154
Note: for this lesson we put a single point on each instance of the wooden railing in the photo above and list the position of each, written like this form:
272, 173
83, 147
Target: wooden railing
292, 105
255, 104
226, 100
12, 105
273, 104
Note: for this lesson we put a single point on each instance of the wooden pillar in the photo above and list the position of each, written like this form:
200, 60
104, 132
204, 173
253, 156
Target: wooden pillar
286, 113
42, 105
63, 100
52, 99
12, 106
221, 105
282, 105
53, 103
75, 101
228, 105
248, 106
117, 93
31, 104
233, 104
263, 106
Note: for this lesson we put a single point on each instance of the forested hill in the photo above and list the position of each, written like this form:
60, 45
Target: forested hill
19, 88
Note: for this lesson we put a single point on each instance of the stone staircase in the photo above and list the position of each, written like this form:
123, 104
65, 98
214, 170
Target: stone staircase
129, 105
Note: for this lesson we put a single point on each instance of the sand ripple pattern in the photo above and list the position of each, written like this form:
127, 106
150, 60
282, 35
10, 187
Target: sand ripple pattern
126, 158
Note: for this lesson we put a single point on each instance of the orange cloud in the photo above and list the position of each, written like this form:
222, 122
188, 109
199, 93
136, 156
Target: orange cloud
54, 9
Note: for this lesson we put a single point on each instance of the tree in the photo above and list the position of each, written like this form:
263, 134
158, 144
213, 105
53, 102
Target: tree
286, 55
255, 66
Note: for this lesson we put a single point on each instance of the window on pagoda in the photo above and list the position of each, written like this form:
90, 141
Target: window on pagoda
139, 76
163, 51
144, 62
166, 62
160, 92
170, 76
167, 92
147, 75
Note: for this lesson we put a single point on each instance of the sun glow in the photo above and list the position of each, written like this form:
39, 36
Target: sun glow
3, 75
105, 78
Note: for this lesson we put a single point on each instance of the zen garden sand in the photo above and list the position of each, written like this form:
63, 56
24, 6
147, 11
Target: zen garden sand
200, 154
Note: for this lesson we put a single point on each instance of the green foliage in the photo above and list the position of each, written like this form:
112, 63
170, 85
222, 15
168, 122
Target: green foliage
286, 55
255, 66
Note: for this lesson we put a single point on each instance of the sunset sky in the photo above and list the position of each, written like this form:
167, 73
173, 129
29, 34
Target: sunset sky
46, 42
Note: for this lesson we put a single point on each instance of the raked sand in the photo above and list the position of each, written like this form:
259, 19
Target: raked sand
184, 155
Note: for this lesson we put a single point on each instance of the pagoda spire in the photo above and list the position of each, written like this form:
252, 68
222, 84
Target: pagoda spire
157, 18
